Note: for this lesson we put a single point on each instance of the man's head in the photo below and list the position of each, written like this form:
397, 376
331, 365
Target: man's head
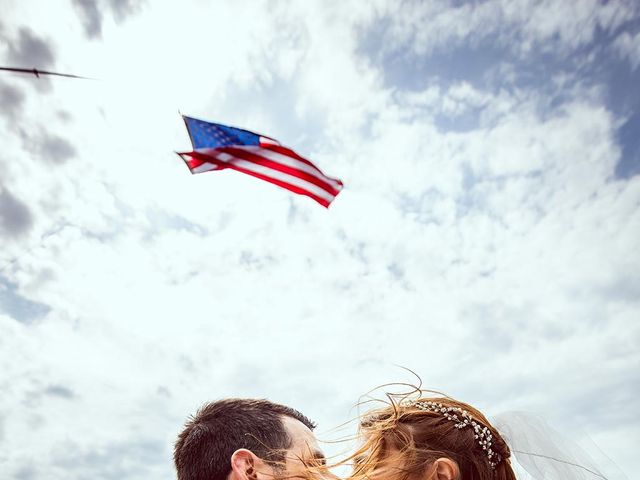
245, 439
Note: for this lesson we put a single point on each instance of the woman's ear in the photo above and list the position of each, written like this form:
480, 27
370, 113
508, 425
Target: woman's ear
243, 465
445, 469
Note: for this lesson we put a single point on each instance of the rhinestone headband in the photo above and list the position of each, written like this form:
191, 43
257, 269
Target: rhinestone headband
463, 419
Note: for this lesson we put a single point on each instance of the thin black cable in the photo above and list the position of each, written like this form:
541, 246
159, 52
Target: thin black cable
37, 72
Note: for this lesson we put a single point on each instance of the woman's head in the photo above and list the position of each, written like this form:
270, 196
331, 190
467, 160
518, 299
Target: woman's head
430, 438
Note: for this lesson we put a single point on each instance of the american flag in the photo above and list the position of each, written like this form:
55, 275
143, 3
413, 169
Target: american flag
216, 147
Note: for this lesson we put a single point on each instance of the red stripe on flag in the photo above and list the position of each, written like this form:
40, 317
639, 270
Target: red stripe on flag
290, 153
260, 160
201, 158
193, 162
292, 160
275, 181
282, 184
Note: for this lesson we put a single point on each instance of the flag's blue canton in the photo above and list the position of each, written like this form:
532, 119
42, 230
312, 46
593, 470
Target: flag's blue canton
213, 135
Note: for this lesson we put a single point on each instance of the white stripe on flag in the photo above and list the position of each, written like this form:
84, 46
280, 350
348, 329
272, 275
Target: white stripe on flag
205, 167
269, 141
275, 174
291, 162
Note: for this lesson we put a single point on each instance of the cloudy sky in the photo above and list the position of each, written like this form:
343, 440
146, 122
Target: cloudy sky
485, 238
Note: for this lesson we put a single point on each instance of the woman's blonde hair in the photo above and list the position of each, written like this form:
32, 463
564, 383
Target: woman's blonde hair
404, 438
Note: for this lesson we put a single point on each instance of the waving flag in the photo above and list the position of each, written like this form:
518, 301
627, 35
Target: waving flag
216, 147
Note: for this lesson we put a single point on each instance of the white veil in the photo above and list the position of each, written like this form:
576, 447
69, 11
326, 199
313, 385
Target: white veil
545, 454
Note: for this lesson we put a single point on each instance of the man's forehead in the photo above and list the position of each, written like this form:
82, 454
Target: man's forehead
301, 435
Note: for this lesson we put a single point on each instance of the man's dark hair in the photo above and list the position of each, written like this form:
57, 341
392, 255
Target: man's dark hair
204, 448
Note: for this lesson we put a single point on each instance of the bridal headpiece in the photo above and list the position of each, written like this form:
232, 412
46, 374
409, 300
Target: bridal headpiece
462, 419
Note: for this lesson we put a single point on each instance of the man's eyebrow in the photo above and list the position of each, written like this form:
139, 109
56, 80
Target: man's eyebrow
318, 455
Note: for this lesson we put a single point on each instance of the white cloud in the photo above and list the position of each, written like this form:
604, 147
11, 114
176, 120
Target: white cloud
520, 26
497, 260
628, 46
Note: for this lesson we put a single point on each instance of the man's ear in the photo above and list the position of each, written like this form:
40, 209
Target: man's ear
445, 469
244, 465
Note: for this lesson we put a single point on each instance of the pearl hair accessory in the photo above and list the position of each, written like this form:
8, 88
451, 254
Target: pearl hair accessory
463, 419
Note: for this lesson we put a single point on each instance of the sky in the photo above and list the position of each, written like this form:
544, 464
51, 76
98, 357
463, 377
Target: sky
490, 152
